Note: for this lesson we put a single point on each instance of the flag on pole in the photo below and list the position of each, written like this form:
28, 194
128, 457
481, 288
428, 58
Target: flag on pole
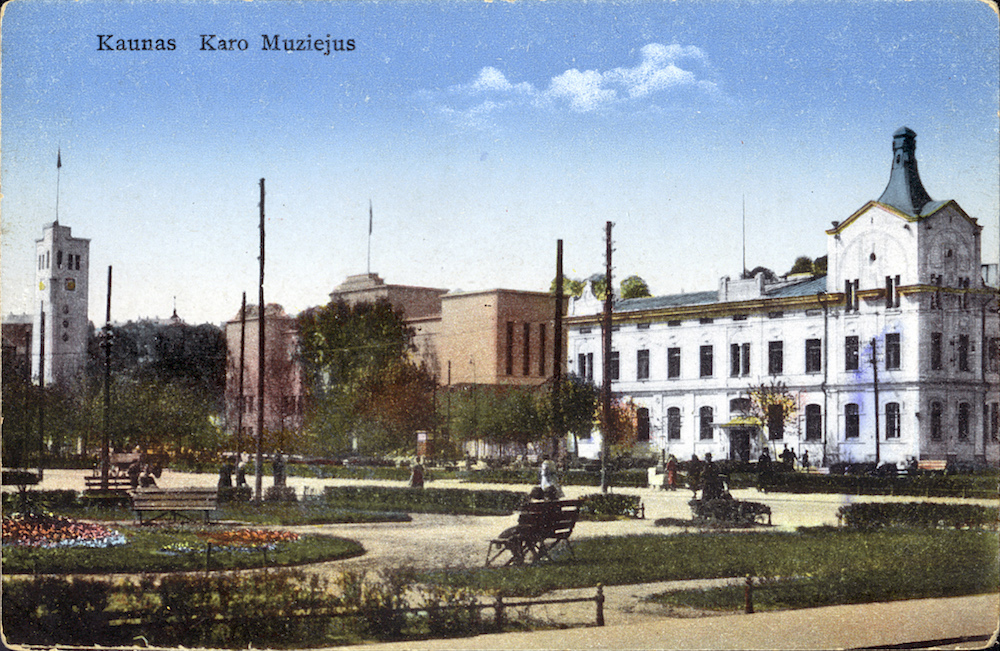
369, 216
59, 158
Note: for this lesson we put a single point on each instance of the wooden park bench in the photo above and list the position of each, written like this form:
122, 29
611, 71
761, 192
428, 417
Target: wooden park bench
932, 465
541, 526
174, 502
118, 485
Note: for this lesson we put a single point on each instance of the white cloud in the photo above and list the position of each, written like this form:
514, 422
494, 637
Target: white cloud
660, 69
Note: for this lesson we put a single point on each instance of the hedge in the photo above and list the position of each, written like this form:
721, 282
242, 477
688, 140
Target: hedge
599, 506
926, 515
425, 500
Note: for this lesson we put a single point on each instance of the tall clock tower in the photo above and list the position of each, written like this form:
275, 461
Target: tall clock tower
62, 266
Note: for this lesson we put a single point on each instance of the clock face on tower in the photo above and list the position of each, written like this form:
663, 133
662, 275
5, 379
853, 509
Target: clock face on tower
70, 285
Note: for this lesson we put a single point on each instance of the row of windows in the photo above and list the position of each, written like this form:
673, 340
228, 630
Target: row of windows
852, 421
739, 357
72, 261
526, 349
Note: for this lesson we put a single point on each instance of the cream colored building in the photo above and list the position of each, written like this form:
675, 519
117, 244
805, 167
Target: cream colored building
892, 356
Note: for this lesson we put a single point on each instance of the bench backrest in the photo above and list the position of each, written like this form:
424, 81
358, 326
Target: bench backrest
932, 464
175, 499
551, 519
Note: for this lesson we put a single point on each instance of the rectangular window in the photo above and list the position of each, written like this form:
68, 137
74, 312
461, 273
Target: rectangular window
541, 349
581, 366
77, 263
673, 362
673, 324
995, 421
642, 365
963, 352
892, 291
893, 353
814, 355
776, 422
510, 348
964, 420
59, 257
590, 367
993, 352
892, 420
814, 423
734, 360
851, 295
746, 359
614, 365
852, 421
936, 351
706, 361
705, 432
775, 357
705, 320
937, 412
674, 423
851, 353
739, 317
526, 349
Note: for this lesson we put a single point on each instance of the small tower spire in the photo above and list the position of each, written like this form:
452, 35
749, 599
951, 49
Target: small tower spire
905, 192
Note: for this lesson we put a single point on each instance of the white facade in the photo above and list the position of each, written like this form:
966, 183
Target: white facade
904, 280
62, 268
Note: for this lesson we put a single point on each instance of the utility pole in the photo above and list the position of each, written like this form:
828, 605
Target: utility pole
875, 385
557, 355
105, 453
41, 391
606, 365
239, 410
259, 477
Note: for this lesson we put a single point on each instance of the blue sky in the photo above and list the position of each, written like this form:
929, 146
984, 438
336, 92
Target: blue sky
481, 133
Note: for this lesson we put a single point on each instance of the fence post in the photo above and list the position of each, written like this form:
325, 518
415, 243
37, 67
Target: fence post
748, 593
498, 613
208, 556
599, 599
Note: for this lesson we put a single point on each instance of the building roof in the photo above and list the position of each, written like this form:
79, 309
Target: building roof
809, 287
905, 192
672, 300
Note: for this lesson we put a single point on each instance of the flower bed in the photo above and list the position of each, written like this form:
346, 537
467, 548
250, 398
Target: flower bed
51, 531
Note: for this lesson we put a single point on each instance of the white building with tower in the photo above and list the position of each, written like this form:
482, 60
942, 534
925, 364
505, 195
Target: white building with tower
893, 355
60, 326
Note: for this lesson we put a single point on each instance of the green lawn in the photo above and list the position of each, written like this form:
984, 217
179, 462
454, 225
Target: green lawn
808, 568
144, 553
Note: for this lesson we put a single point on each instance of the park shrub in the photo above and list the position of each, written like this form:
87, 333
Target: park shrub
235, 494
425, 500
279, 494
45, 610
31, 501
980, 485
610, 505
870, 515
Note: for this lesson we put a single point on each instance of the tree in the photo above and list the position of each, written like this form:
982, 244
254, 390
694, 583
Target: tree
772, 405
802, 265
634, 287
819, 266
769, 275
364, 387
509, 417
579, 408
571, 287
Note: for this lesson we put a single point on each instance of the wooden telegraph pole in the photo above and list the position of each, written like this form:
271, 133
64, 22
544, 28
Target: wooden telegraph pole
258, 480
606, 366
239, 410
106, 439
559, 430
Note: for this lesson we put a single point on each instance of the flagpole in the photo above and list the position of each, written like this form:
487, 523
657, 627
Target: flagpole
369, 237
58, 172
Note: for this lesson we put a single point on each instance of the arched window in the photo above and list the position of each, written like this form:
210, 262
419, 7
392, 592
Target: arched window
814, 423
739, 406
642, 424
706, 422
674, 423
892, 420
852, 421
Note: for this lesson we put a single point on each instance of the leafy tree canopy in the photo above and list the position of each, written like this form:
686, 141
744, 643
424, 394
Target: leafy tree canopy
802, 265
571, 287
769, 275
634, 287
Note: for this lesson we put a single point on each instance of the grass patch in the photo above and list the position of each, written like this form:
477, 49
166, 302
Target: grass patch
849, 566
143, 553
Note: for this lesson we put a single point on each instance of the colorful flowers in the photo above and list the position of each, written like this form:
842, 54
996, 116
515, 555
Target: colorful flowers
235, 540
51, 531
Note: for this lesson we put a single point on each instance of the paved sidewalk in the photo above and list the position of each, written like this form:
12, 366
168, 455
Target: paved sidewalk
961, 622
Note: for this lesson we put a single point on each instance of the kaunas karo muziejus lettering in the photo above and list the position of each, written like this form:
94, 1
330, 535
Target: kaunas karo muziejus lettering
214, 43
